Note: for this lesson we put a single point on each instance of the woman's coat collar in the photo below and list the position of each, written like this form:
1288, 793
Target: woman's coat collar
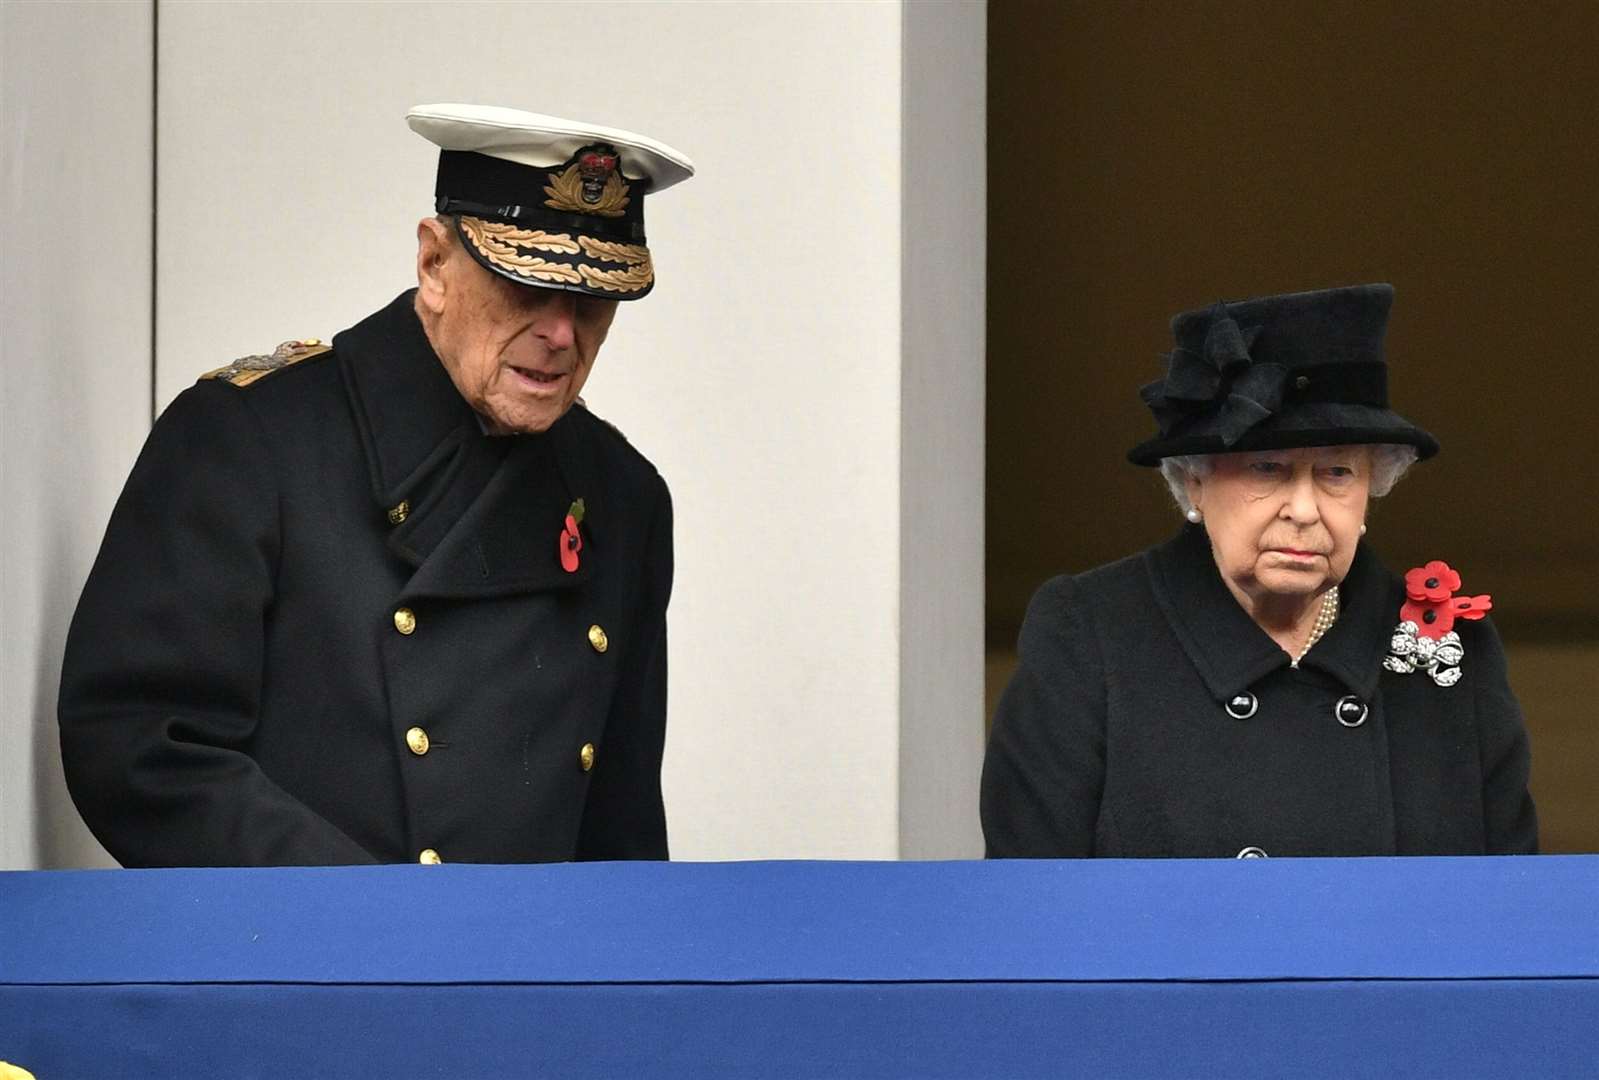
1232, 653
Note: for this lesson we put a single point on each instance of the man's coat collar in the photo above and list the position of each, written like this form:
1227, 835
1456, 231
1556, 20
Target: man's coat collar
482, 514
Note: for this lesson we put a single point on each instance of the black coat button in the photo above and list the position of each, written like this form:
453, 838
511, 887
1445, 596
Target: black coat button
1242, 706
1350, 711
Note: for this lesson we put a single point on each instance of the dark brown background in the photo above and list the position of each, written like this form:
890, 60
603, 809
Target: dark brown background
1146, 159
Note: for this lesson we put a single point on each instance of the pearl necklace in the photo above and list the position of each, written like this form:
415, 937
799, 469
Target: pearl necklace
1324, 620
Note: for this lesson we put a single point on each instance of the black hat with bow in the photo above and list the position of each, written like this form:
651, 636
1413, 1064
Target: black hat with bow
1301, 369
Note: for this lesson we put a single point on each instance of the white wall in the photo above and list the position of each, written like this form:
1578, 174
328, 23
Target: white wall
765, 375
74, 364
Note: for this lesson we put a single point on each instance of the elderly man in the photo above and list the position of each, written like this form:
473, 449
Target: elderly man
402, 598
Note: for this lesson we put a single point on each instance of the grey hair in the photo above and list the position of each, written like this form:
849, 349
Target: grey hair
1389, 462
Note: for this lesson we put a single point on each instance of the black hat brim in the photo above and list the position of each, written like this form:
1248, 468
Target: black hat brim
1306, 424
568, 260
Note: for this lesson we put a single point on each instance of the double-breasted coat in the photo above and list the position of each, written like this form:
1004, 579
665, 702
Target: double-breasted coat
329, 623
1150, 716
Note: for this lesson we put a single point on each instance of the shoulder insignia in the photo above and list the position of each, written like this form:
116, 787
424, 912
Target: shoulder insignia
247, 369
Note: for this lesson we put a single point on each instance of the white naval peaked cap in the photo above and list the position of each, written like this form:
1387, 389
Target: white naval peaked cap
541, 141
546, 202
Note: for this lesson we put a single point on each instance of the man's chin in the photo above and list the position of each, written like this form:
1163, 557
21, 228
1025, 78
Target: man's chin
523, 420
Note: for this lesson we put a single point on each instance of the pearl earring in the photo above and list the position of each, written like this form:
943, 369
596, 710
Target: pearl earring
1362, 530
1194, 515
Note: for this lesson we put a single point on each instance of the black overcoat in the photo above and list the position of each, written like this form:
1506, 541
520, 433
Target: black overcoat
1114, 737
237, 689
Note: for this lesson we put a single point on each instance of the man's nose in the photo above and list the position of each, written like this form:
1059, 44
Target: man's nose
556, 321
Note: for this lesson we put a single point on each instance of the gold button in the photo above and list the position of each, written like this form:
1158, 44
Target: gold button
585, 756
598, 639
400, 512
405, 621
417, 740
429, 857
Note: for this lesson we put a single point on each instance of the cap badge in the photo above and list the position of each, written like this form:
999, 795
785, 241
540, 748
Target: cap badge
591, 183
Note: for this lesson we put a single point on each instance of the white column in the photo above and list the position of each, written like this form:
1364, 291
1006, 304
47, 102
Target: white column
75, 377
807, 374
943, 390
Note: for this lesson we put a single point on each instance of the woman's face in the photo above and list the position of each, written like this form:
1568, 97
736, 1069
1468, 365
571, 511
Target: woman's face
1284, 522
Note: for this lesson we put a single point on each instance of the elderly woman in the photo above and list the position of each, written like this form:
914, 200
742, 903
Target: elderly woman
1261, 685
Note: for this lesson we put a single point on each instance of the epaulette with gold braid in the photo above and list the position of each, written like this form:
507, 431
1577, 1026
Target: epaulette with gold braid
247, 369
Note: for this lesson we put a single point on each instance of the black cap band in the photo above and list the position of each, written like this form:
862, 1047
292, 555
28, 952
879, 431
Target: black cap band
482, 186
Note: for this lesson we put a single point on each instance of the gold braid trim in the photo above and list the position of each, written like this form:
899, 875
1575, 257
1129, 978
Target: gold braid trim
565, 192
537, 239
609, 252
633, 279
509, 258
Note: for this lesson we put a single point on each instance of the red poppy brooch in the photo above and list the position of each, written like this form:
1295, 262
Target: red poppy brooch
1425, 639
571, 537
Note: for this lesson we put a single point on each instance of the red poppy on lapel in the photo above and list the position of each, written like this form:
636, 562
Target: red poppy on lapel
571, 544
1431, 583
1431, 602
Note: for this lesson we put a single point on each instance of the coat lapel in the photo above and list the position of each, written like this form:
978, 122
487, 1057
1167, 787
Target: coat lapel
1226, 647
1353, 650
508, 540
411, 419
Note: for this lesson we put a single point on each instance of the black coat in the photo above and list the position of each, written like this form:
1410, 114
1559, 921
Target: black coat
236, 687
1113, 738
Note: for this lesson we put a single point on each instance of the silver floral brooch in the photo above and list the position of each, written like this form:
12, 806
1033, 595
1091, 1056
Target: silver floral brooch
1412, 652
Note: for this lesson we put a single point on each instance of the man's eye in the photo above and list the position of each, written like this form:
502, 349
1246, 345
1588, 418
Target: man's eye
592, 308
1338, 472
1267, 468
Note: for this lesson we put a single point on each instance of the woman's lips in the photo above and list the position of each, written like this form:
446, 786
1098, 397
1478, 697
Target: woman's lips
1295, 553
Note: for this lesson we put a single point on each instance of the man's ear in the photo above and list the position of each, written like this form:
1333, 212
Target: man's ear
433, 252
1196, 489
